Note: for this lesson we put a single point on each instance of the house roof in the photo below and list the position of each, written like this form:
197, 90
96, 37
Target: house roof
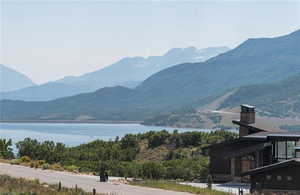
288, 135
259, 136
234, 141
259, 125
294, 161
248, 106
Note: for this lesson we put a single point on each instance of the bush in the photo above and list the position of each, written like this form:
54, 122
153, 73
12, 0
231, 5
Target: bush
25, 159
46, 166
153, 170
57, 167
15, 162
71, 168
32, 164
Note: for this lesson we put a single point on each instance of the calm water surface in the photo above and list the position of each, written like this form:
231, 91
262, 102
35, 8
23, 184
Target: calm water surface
75, 134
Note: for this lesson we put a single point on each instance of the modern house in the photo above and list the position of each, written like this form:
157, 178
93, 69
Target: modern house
265, 157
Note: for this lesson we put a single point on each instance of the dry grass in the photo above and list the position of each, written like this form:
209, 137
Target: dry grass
4, 161
14, 186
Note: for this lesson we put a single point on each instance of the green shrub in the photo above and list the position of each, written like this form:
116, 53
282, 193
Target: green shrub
15, 162
46, 166
57, 167
71, 168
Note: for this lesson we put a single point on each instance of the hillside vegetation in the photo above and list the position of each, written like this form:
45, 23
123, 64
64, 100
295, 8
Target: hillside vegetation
152, 155
279, 99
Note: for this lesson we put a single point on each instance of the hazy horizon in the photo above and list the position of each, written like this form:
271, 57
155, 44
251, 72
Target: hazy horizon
51, 40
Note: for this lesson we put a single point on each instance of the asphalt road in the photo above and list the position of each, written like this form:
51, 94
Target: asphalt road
85, 182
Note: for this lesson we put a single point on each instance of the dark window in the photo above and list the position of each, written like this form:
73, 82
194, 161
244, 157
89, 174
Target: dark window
268, 177
289, 178
279, 178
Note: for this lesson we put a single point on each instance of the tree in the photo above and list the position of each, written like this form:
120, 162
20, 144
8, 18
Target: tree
158, 138
129, 141
153, 170
5, 149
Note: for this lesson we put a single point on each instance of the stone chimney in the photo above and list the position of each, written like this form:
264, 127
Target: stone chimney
247, 117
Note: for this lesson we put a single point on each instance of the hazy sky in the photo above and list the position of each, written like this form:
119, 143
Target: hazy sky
48, 40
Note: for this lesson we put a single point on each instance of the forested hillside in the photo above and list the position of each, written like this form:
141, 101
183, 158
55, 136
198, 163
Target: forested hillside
280, 99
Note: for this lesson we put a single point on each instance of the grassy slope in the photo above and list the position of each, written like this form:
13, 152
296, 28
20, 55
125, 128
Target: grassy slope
178, 187
21, 186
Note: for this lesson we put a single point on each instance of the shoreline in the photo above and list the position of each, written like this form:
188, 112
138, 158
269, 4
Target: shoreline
99, 122
71, 121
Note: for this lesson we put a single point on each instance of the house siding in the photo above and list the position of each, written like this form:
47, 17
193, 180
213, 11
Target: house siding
260, 184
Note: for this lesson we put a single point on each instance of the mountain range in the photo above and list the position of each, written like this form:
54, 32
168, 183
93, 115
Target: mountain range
129, 72
13, 80
265, 62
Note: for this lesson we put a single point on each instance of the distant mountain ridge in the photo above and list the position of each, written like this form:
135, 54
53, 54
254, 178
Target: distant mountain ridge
254, 62
127, 72
44, 92
137, 69
13, 80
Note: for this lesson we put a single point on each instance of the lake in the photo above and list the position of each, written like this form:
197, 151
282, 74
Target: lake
75, 134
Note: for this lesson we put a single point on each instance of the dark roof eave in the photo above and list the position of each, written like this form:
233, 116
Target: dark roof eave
247, 125
223, 143
271, 167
